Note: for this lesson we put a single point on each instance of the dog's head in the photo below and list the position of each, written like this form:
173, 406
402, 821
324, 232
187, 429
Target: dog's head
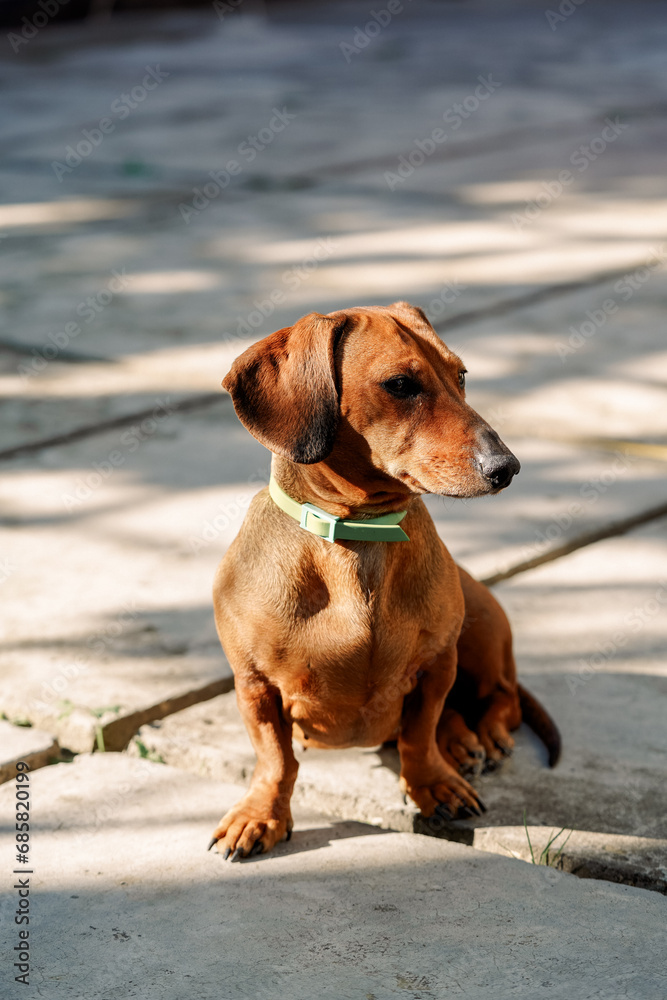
375, 393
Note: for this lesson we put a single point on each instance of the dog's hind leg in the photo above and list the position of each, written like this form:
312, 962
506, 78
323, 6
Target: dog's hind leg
484, 700
458, 744
502, 713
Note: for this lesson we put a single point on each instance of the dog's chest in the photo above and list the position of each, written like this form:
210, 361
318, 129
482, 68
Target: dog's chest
352, 696
356, 644
351, 609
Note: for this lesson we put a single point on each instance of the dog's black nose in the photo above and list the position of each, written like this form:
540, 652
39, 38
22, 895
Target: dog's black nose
500, 468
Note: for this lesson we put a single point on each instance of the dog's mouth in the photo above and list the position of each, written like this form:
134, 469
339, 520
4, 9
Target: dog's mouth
412, 483
467, 494
487, 474
488, 489
467, 491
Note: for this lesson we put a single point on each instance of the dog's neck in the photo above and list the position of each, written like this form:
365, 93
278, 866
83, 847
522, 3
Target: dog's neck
341, 487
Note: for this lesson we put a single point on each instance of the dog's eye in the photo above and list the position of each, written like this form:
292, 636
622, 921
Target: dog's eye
402, 386
462, 378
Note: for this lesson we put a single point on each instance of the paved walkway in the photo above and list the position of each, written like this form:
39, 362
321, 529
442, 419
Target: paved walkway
127, 903
176, 186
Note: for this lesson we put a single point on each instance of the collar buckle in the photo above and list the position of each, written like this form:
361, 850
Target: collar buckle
331, 519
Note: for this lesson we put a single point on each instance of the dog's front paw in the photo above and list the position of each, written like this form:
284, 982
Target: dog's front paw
253, 826
444, 794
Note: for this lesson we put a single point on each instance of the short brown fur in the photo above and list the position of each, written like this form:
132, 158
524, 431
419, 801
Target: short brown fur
357, 643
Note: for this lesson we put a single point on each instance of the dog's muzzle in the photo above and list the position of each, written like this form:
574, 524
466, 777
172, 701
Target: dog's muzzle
496, 462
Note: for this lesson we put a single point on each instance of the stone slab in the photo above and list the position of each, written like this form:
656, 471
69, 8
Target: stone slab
125, 901
590, 365
639, 861
613, 590
119, 584
590, 632
562, 492
25, 743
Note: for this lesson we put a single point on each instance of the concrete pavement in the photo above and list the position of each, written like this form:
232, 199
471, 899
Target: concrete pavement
531, 231
127, 902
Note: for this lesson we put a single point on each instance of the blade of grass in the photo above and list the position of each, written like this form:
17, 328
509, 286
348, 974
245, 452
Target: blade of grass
560, 849
545, 852
525, 826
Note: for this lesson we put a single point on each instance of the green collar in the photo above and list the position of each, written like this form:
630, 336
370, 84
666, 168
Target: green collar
328, 526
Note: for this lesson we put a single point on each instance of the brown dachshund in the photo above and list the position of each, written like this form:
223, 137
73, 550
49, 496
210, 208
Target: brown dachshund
340, 610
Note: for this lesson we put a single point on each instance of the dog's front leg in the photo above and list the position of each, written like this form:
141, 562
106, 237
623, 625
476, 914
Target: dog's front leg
263, 816
425, 775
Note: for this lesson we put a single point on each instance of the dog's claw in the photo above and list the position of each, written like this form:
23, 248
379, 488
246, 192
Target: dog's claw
238, 854
288, 836
256, 849
213, 842
443, 811
228, 851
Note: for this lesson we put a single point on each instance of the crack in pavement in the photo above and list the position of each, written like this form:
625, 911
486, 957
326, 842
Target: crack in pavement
186, 405
610, 530
501, 140
534, 298
64, 354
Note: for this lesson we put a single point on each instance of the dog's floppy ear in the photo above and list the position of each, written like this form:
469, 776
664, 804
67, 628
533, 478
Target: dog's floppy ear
284, 388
